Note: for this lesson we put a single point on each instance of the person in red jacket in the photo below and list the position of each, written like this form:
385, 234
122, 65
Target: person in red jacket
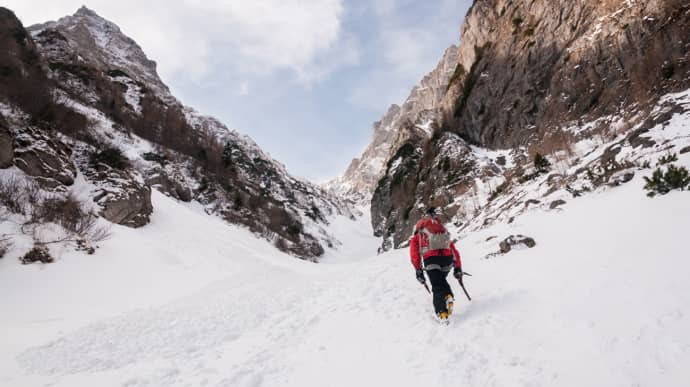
431, 250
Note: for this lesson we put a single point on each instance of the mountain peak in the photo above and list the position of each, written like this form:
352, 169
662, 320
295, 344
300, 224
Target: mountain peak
85, 11
101, 41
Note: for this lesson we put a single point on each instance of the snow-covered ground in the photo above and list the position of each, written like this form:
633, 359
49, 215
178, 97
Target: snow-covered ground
188, 300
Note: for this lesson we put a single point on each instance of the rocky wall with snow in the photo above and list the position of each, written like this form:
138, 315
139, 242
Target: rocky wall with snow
534, 77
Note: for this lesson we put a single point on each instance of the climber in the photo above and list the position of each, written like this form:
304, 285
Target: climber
431, 250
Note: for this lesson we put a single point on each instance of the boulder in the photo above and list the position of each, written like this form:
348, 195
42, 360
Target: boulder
123, 195
531, 201
516, 241
556, 203
621, 178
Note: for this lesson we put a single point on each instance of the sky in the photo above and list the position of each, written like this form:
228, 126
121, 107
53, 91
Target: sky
305, 79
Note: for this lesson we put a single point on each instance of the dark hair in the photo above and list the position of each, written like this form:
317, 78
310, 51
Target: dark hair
431, 211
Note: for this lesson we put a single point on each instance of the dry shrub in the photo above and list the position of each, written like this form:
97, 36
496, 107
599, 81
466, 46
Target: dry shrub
18, 196
68, 213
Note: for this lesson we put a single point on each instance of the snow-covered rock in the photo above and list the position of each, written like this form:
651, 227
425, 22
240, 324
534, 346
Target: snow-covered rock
45, 158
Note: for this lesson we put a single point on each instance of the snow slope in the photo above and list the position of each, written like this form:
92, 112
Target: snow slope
602, 299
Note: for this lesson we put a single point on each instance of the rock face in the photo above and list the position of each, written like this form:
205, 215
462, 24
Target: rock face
6, 147
45, 158
361, 177
528, 77
87, 39
172, 185
101, 91
123, 196
531, 64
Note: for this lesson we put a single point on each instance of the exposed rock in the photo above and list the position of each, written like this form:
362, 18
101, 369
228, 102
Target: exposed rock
516, 241
531, 202
45, 158
173, 186
123, 196
562, 60
637, 139
621, 178
364, 172
556, 203
6, 147
37, 254
400, 198
685, 150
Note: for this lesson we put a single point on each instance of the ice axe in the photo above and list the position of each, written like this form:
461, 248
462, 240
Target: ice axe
462, 285
426, 287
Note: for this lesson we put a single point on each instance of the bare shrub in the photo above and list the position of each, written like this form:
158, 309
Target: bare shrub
11, 194
64, 211
18, 196
68, 213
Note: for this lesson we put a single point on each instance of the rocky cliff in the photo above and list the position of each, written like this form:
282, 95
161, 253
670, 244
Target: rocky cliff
526, 66
96, 95
533, 77
419, 109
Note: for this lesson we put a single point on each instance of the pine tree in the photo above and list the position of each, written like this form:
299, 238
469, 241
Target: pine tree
663, 182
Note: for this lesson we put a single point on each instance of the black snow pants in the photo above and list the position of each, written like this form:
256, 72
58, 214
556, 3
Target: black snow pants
437, 269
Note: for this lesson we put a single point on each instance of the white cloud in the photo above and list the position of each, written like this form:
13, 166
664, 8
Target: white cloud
244, 89
189, 38
410, 40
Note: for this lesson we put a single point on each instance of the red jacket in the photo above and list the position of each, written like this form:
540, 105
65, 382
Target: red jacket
414, 247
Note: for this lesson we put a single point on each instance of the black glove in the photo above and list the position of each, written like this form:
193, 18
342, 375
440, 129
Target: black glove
420, 276
457, 272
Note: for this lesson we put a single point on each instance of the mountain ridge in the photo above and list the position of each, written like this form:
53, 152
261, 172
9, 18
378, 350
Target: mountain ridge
116, 99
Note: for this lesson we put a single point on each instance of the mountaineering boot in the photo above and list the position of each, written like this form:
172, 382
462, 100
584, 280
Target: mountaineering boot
442, 318
449, 304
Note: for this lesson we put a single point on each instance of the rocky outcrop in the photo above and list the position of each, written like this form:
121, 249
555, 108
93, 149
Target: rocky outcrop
172, 185
6, 145
47, 159
23, 82
516, 241
361, 177
90, 42
122, 195
529, 65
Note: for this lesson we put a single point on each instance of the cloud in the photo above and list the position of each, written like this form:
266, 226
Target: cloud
410, 38
244, 89
193, 38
